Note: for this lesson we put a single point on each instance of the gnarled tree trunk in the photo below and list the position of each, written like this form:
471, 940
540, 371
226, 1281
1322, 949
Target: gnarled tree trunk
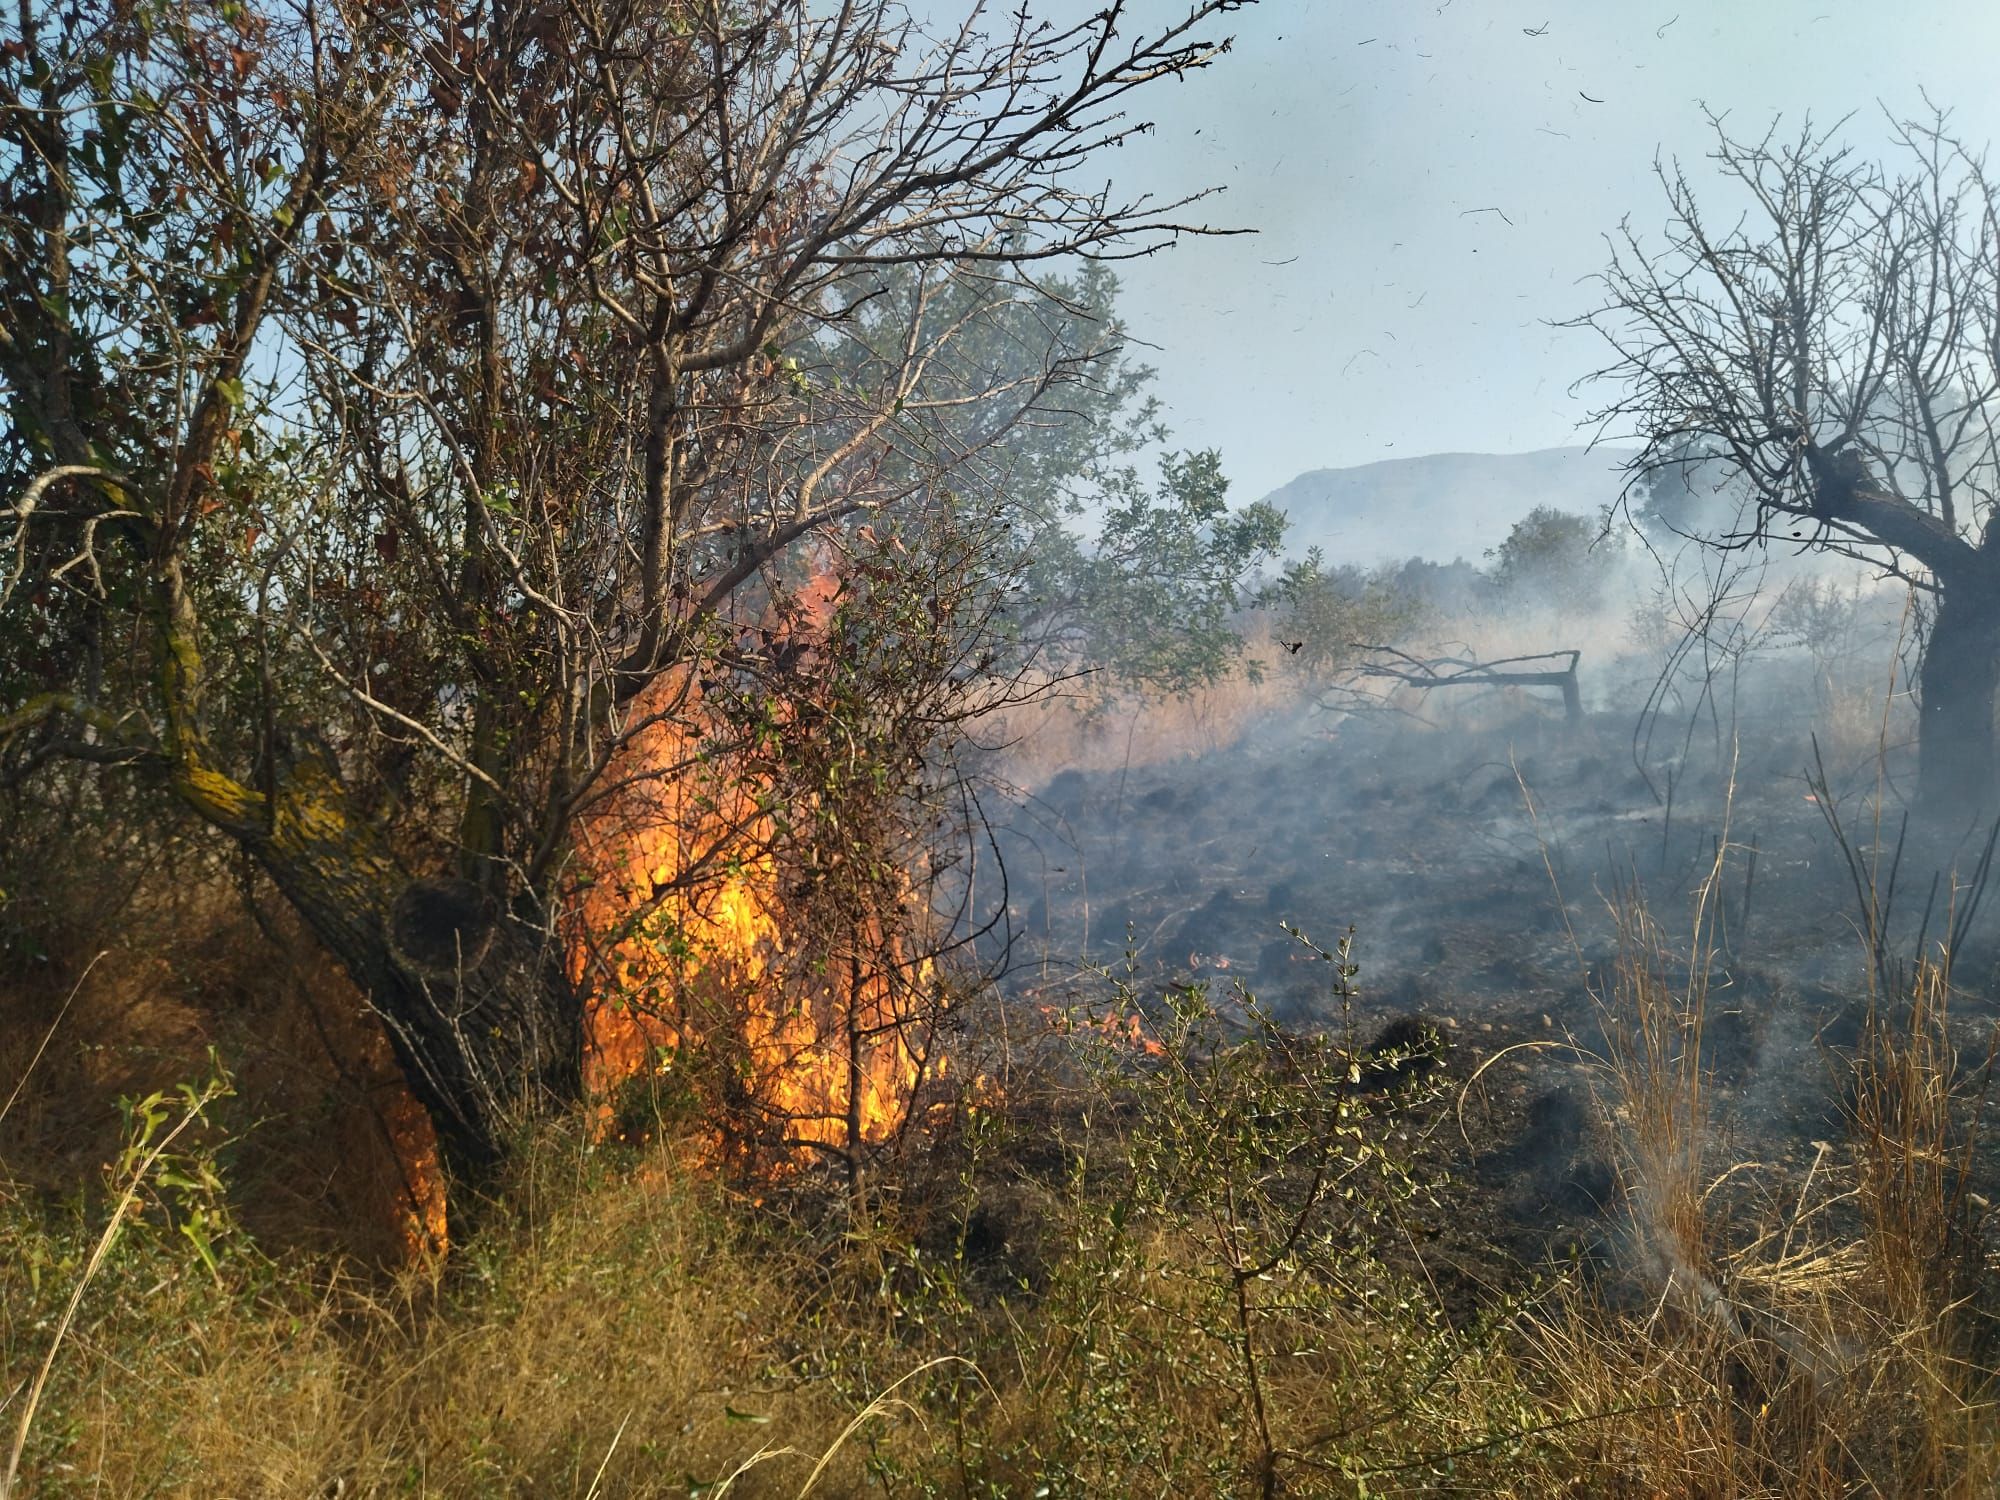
1956, 765
476, 1000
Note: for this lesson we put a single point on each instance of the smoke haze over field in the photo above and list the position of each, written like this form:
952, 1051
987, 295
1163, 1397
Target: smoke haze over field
1442, 506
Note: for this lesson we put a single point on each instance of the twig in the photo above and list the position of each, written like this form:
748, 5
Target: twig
1749, 883
1667, 828
83, 1281
49, 1035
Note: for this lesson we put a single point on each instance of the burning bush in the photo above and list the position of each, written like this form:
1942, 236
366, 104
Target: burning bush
695, 936
760, 908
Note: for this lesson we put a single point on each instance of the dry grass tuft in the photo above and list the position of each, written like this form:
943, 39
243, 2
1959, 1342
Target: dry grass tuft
1829, 1337
618, 1339
1050, 1304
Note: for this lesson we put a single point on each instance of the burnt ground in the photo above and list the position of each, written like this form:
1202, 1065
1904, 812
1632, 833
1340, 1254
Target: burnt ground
1492, 922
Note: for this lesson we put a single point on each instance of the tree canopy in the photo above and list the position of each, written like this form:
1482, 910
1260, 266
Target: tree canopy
1832, 352
410, 407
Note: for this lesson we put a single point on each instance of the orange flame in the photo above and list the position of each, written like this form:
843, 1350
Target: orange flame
1114, 1026
680, 941
388, 1173
683, 943
667, 898
417, 1206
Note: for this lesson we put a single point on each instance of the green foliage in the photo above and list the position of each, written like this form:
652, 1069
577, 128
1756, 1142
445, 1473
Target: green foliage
179, 1188
1556, 560
1104, 571
153, 1182
1329, 611
1040, 389
1208, 1293
1681, 495
1151, 601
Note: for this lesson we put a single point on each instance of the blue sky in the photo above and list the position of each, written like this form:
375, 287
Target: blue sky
1382, 310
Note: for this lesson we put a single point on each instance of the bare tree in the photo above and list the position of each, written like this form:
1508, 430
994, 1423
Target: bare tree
399, 396
1833, 347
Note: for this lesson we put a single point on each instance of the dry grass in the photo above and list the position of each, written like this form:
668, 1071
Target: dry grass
1059, 732
180, 969
618, 1340
1792, 1352
616, 1327
1816, 1338
592, 1299
1066, 731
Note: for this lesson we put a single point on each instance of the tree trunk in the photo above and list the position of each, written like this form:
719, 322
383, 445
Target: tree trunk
1961, 668
486, 1026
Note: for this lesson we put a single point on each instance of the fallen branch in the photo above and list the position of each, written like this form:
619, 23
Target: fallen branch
1458, 671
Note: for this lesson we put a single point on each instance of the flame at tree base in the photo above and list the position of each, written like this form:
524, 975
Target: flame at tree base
683, 946
386, 1172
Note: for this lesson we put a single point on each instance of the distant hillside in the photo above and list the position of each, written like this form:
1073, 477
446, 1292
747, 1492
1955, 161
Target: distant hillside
1442, 505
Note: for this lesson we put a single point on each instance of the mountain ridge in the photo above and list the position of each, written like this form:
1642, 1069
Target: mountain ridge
1440, 506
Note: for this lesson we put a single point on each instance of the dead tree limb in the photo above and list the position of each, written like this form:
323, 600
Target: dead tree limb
1456, 671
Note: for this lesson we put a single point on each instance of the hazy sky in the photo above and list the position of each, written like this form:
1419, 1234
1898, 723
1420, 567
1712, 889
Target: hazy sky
1362, 139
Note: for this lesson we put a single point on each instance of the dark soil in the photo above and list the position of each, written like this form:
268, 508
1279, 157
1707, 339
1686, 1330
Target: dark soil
1473, 869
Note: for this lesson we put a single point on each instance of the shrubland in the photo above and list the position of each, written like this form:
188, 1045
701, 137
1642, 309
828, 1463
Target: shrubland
1150, 1241
518, 523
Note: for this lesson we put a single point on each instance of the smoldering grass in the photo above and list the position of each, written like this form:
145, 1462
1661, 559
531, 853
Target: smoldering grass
618, 1322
